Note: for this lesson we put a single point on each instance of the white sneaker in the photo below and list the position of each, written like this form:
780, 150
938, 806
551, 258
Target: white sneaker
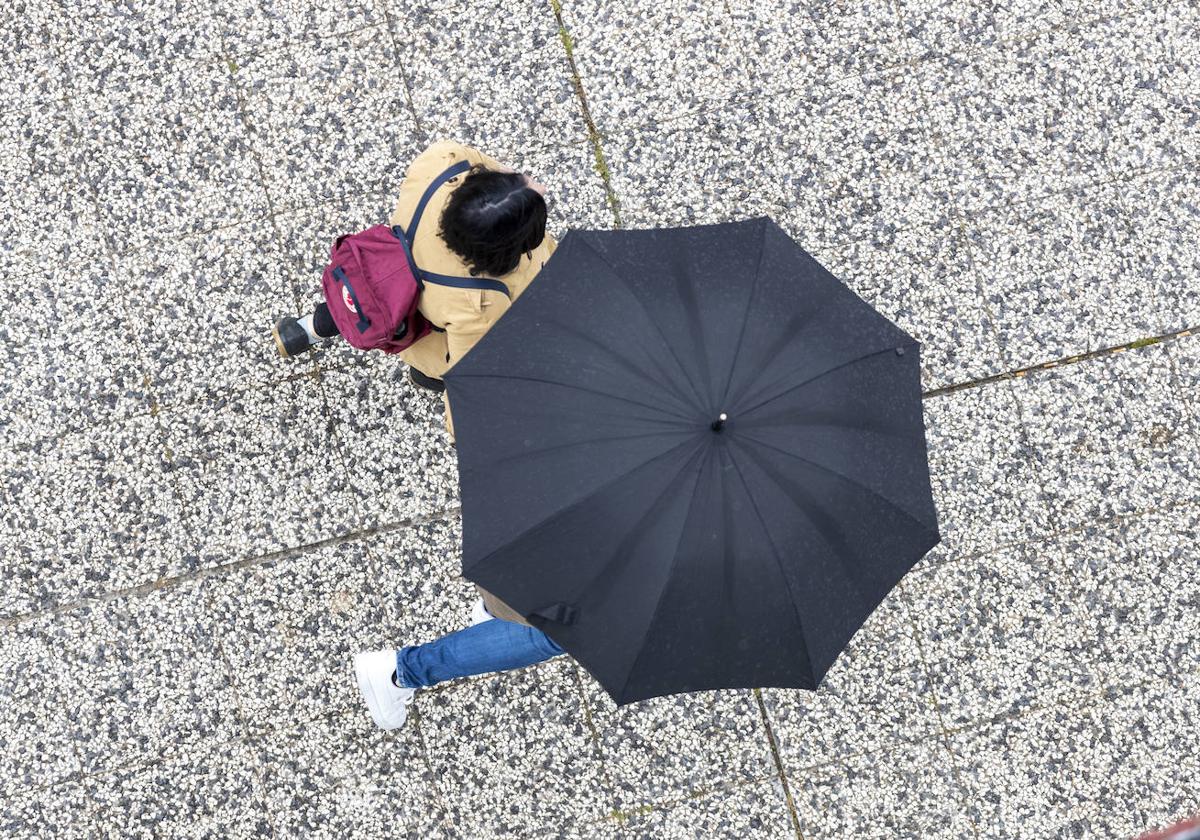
480, 614
387, 702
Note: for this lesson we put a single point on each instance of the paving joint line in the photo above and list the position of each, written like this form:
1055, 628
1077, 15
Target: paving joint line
359, 535
672, 801
780, 771
293, 40
412, 106
590, 723
943, 732
1021, 373
257, 770
1053, 534
594, 136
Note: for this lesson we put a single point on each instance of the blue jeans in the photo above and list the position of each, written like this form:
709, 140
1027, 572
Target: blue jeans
493, 645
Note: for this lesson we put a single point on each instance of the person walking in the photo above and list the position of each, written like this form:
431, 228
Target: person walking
489, 222
498, 639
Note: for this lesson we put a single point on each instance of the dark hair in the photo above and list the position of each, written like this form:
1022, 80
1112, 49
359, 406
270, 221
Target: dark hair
491, 219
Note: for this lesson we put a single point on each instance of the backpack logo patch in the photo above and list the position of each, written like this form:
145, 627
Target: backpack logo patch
349, 301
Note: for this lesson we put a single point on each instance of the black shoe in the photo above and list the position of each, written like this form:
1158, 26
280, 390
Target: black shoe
290, 337
427, 382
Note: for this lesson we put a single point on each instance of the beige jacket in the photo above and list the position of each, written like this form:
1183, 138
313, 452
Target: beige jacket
464, 314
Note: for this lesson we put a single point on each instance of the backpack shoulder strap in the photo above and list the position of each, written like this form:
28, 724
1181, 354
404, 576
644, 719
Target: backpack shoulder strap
422, 276
466, 282
455, 170
443, 279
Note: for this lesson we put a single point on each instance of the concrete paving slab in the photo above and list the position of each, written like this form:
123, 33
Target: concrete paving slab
1062, 275
1148, 50
575, 190
259, 472
1003, 632
40, 814
1101, 769
1164, 249
42, 180
512, 753
77, 381
338, 776
641, 65
424, 595
868, 139
923, 279
92, 512
56, 282
983, 470
758, 809
395, 477
1136, 581
1112, 437
873, 698
308, 105
157, 682
33, 74
290, 628
60, 381
673, 747
1185, 355
790, 48
704, 168
1184, 57
1019, 120
208, 791
202, 307
156, 177
111, 48
935, 27
505, 89
910, 792
36, 750
248, 27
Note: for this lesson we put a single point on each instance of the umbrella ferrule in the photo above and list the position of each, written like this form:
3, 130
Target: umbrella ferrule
719, 423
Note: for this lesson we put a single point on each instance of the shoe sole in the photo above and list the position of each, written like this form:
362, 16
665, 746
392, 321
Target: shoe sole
279, 342
479, 616
367, 691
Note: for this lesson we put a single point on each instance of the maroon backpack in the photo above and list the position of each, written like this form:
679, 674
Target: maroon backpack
373, 287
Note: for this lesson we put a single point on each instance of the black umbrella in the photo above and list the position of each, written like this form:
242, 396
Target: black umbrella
693, 458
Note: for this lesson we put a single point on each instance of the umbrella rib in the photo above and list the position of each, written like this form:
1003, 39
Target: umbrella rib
818, 422
799, 385
775, 554
622, 361
789, 336
461, 375
666, 342
842, 476
532, 529
662, 593
623, 551
737, 351
520, 456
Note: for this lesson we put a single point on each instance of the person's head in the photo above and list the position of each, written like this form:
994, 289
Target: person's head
492, 218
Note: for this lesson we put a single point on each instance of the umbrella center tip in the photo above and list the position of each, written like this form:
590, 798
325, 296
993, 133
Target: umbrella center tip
719, 423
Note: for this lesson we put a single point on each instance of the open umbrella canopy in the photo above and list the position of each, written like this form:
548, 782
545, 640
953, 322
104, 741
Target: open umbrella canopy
692, 457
